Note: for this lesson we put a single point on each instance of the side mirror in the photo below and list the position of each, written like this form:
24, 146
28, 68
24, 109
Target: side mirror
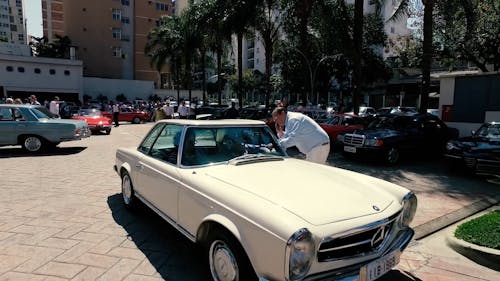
473, 132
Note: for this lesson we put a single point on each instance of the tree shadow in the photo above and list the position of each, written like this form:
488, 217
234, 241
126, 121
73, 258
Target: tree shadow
12, 152
423, 174
172, 255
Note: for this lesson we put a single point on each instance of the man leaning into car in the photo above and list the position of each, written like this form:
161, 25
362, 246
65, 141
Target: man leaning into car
297, 129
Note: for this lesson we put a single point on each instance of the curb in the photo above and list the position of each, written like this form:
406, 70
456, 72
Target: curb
482, 255
439, 223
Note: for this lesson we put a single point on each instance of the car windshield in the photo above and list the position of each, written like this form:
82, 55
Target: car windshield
390, 122
42, 112
204, 146
89, 112
489, 131
332, 120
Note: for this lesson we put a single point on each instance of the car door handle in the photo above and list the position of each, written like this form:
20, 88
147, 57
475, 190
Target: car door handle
139, 166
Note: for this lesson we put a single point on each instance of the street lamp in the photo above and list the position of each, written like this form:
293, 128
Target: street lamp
312, 74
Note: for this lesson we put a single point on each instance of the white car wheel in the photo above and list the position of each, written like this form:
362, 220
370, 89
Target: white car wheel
32, 143
127, 190
227, 260
136, 120
223, 265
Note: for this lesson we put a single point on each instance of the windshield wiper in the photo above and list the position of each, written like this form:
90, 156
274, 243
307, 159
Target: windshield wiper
252, 158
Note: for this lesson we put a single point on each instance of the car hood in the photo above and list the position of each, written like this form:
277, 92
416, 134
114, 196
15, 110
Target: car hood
316, 193
92, 119
378, 133
78, 123
475, 144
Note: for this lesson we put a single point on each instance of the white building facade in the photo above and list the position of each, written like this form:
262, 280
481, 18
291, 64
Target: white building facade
22, 75
13, 21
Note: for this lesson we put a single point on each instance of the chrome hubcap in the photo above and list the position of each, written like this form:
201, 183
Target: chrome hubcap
126, 189
32, 143
223, 264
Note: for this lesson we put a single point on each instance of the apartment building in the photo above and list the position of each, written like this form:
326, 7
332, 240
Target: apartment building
109, 35
12, 21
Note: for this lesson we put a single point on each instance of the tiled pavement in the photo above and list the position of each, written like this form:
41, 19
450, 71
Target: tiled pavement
61, 217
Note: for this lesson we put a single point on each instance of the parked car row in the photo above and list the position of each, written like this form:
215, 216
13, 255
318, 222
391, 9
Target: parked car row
34, 128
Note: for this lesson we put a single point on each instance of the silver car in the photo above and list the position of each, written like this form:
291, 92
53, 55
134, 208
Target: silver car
34, 130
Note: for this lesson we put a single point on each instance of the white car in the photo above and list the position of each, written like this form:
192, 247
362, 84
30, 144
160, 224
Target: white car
260, 214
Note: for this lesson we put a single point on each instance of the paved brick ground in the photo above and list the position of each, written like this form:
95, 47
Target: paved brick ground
61, 216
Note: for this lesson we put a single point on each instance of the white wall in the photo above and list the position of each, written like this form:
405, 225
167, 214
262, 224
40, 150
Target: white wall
66, 79
112, 87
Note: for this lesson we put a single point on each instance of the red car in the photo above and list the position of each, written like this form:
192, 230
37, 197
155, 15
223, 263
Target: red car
95, 120
128, 114
341, 123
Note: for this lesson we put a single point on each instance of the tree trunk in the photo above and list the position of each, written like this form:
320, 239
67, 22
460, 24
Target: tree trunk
203, 78
219, 81
269, 64
427, 55
358, 51
240, 69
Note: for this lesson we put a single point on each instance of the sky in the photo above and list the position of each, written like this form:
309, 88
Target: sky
34, 17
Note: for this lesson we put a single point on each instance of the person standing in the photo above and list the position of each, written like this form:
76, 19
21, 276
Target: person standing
232, 112
297, 129
169, 111
54, 106
116, 113
183, 110
34, 100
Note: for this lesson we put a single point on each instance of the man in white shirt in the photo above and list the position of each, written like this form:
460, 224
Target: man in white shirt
169, 111
54, 106
183, 110
297, 129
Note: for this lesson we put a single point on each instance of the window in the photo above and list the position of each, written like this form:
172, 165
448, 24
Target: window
84, 9
37, 70
166, 146
126, 2
117, 52
6, 114
117, 33
67, 73
148, 141
117, 14
84, 29
125, 20
9, 68
161, 6
52, 71
20, 37
20, 69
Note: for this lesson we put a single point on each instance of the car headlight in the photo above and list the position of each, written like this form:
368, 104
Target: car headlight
300, 253
374, 142
409, 209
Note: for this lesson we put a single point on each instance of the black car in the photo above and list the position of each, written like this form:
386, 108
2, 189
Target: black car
479, 152
389, 137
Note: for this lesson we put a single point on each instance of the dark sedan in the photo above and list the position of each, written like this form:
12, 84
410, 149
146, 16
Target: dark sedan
479, 152
389, 137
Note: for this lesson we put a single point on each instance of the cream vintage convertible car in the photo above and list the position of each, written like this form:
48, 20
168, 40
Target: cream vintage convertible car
259, 214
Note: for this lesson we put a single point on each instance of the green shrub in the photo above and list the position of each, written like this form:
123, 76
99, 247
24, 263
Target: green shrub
482, 231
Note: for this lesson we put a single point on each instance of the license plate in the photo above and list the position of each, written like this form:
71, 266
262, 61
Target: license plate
350, 149
379, 267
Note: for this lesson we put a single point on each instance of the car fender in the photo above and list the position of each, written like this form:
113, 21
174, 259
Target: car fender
223, 221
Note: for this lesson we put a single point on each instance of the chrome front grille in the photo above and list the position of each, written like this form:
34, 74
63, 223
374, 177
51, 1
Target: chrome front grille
470, 162
358, 243
354, 140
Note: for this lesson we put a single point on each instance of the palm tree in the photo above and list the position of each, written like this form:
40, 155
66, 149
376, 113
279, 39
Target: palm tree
165, 44
240, 16
427, 51
216, 34
268, 24
358, 52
